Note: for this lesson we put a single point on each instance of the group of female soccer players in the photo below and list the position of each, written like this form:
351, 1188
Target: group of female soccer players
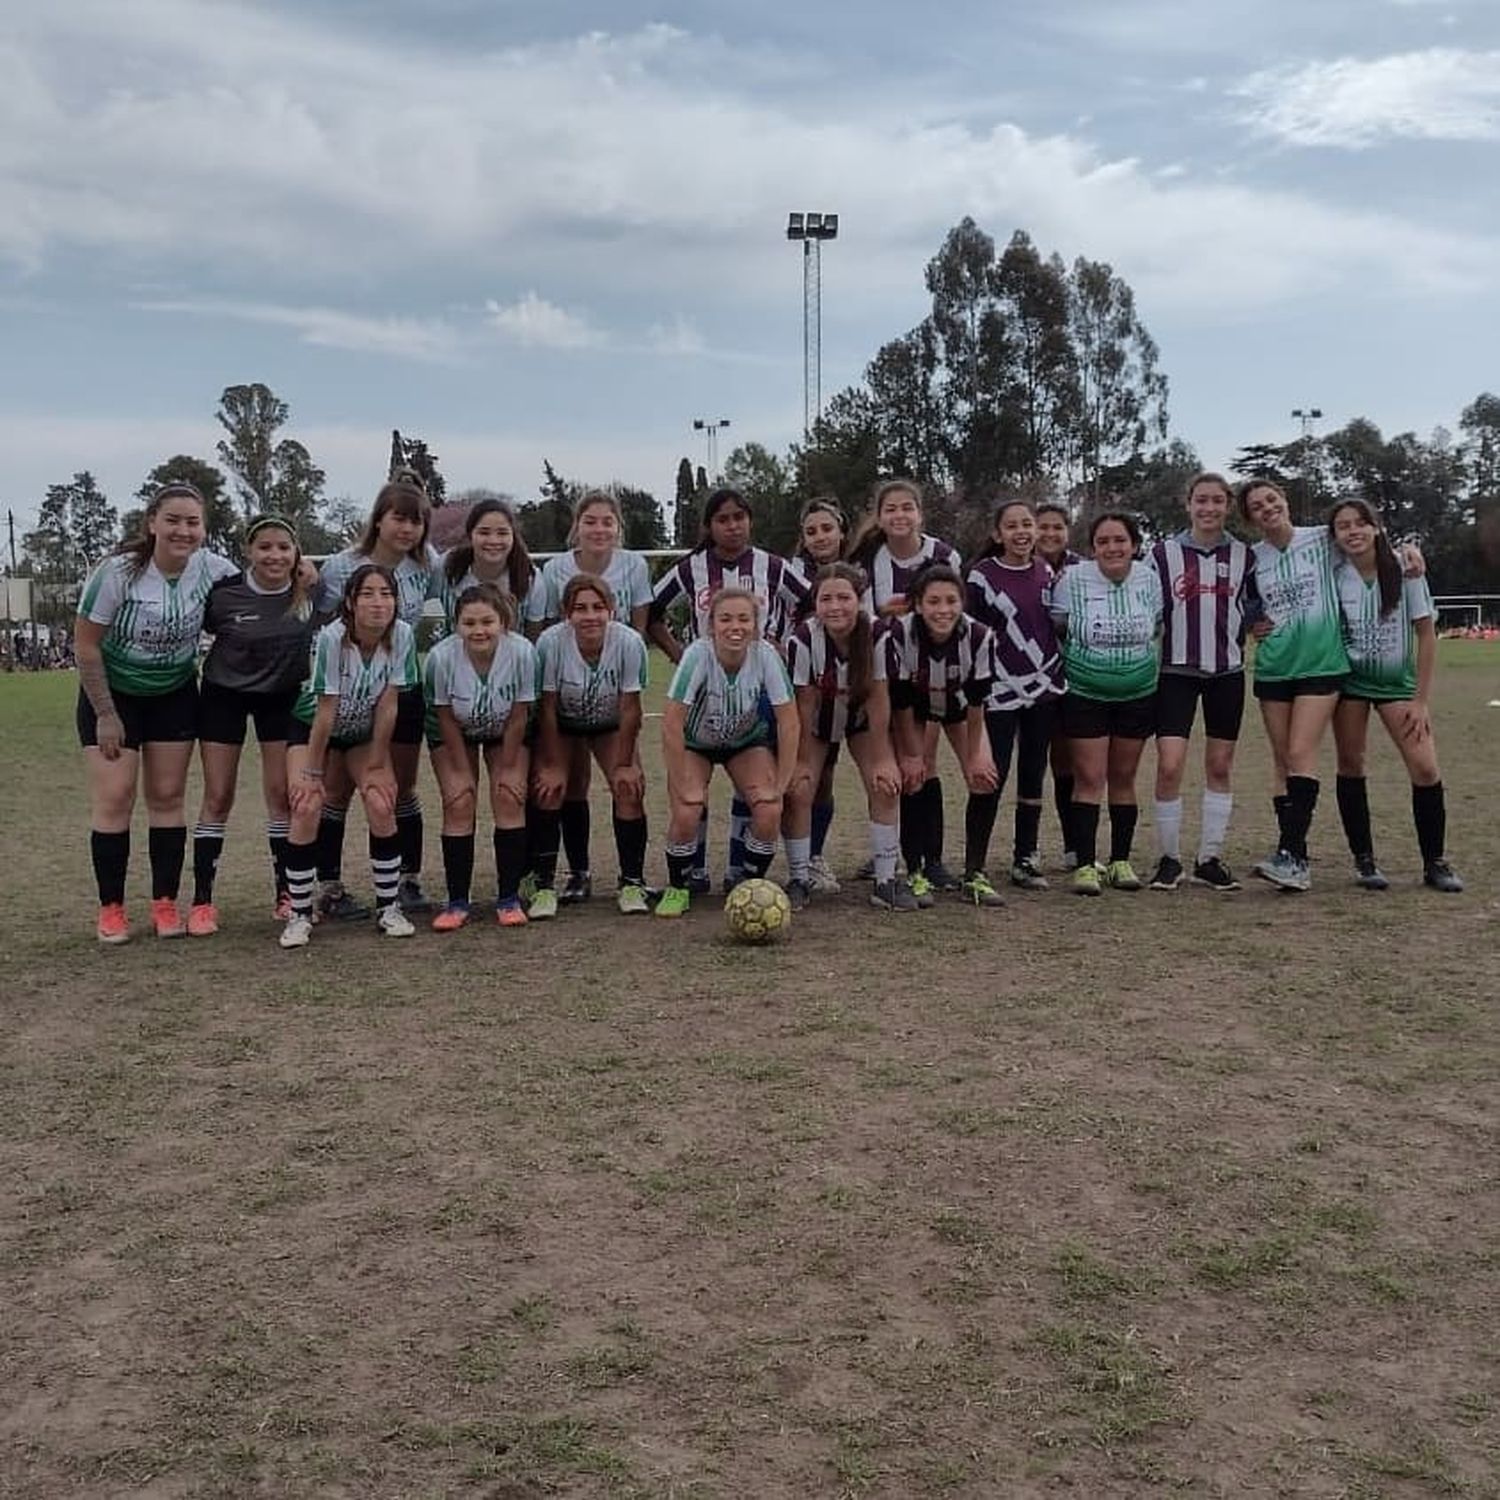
883, 640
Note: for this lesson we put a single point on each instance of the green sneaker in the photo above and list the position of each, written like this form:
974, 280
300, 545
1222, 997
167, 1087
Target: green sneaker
1119, 876
543, 905
1088, 880
977, 888
527, 888
921, 888
632, 900
674, 902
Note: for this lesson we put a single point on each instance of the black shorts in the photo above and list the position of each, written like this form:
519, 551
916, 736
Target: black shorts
223, 714
721, 755
586, 731
411, 717
1099, 719
299, 733
154, 718
1178, 696
1299, 687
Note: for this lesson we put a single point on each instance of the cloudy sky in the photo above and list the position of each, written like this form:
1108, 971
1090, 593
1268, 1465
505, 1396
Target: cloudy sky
557, 230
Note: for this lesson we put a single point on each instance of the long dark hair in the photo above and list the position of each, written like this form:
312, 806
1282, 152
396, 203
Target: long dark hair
1128, 521
352, 588
406, 495
993, 546
140, 549
934, 572
1387, 564
861, 652
724, 495
519, 569
870, 537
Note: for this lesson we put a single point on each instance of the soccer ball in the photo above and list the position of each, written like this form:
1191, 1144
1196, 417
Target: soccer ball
756, 911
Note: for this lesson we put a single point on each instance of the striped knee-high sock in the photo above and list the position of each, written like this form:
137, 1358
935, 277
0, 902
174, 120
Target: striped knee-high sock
385, 867
301, 876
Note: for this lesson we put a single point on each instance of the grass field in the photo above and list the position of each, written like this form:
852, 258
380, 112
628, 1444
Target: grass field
1155, 1194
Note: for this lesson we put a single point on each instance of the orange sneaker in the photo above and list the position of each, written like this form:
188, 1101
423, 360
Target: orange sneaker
510, 914
203, 920
166, 918
114, 925
452, 917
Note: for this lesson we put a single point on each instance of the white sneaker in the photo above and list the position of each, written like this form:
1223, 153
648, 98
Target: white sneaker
297, 931
393, 922
821, 878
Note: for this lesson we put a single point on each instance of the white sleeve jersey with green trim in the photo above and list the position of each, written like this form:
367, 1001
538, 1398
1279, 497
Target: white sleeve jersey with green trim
1110, 651
627, 575
1382, 651
417, 580
339, 669
588, 695
481, 702
723, 711
151, 646
1296, 586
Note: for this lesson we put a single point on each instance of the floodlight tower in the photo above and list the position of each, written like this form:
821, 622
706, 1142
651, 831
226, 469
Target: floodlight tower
812, 230
710, 431
1307, 415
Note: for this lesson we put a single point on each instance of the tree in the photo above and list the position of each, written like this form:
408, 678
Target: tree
296, 488
1154, 486
1042, 399
1480, 425
545, 523
412, 453
221, 525
93, 523
644, 531
843, 459
76, 527
685, 507
251, 415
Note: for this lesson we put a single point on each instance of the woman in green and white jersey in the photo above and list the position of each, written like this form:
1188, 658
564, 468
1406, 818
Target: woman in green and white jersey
592, 673
493, 551
1108, 614
713, 718
136, 639
395, 538
480, 684
1392, 642
343, 722
594, 547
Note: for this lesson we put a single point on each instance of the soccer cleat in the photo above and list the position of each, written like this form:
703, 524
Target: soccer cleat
283, 911
1215, 874
1168, 874
337, 905
1441, 876
410, 896
453, 916
1368, 874
1120, 876
543, 905
527, 888
866, 871
166, 919
114, 925
1088, 880
393, 922
799, 894
942, 878
921, 889
1262, 867
1069, 860
297, 932
1286, 872
893, 895
1027, 873
632, 899
203, 920
700, 883
674, 902
579, 886
508, 913
979, 892
821, 877
732, 878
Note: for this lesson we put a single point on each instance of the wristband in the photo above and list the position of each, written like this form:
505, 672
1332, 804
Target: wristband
310, 774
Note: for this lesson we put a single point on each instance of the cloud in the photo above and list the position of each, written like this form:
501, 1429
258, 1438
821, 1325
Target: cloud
424, 339
534, 323
1441, 94
677, 337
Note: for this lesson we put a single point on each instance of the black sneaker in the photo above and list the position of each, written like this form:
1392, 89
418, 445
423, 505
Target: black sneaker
1369, 874
799, 894
1441, 876
1168, 874
700, 883
410, 895
731, 879
579, 886
866, 871
893, 895
335, 904
1215, 874
941, 878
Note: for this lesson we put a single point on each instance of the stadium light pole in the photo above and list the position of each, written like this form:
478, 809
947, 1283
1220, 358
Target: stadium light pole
1307, 415
710, 431
812, 230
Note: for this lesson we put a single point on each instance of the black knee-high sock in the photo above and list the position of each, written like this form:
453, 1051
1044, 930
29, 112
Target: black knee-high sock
913, 836
1282, 806
1028, 829
510, 856
409, 830
330, 844
1302, 792
167, 848
979, 827
758, 857
630, 847
1062, 799
111, 856
680, 859
542, 855
822, 821
208, 846
1122, 820
1429, 809
575, 834
1084, 818
1354, 814
458, 864
278, 835
301, 876
932, 794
